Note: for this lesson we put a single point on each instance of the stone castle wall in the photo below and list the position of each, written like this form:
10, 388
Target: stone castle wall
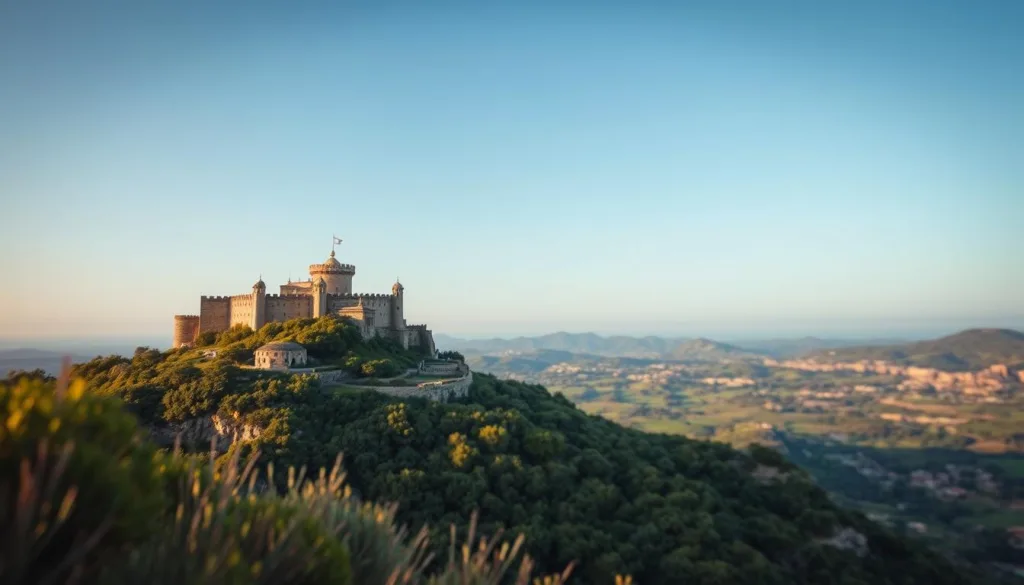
287, 307
380, 304
242, 307
420, 336
214, 313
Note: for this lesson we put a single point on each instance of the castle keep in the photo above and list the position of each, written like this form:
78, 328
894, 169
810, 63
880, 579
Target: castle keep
328, 291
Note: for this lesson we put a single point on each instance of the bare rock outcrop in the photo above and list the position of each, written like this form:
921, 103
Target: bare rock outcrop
848, 539
227, 430
765, 474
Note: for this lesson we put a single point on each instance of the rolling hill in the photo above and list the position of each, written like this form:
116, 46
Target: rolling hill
797, 346
972, 349
648, 347
589, 343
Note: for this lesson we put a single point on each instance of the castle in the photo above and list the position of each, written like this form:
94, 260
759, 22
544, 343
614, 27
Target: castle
328, 291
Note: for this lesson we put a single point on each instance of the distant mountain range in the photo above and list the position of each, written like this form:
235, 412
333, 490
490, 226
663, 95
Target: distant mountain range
650, 347
967, 350
798, 346
590, 343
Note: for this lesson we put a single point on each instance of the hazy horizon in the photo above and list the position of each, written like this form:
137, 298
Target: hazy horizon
701, 168
128, 343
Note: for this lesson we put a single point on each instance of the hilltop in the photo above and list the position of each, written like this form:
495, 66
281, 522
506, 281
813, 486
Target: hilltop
665, 509
971, 349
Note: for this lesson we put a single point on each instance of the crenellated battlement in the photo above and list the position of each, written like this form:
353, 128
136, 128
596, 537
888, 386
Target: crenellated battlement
289, 296
186, 317
214, 298
357, 296
332, 269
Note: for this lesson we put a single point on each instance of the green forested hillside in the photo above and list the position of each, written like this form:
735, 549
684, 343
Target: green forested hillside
971, 349
664, 509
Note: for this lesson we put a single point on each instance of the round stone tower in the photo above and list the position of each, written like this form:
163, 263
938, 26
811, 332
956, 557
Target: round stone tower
259, 305
186, 328
397, 302
338, 276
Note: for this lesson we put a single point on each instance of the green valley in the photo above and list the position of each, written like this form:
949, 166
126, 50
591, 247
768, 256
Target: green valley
933, 454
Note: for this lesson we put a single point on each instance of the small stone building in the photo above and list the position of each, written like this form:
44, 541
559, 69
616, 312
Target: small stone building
280, 355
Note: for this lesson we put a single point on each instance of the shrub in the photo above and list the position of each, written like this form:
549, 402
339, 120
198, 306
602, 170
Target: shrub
224, 531
379, 549
76, 481
382, 368
205, 338
484, 562
238, 355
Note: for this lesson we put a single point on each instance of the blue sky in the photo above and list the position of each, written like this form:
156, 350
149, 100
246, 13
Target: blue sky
705, 168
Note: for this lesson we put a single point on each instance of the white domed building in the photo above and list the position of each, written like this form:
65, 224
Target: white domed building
280, 355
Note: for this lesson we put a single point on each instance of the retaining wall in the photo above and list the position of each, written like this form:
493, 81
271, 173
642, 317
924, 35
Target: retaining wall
440, 391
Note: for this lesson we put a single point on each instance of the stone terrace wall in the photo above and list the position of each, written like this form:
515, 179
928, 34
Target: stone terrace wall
440, 391
436, 391
436, 367
331, 376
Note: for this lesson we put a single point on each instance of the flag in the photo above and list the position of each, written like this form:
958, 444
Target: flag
337, 240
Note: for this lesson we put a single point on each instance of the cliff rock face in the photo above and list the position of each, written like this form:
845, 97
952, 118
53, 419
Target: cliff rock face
988, 380
848, 539
201, 431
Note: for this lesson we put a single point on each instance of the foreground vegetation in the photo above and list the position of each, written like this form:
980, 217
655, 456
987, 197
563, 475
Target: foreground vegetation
86, 499
583, 491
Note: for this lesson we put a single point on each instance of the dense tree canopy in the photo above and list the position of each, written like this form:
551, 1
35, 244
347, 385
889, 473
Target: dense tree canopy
662, 508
